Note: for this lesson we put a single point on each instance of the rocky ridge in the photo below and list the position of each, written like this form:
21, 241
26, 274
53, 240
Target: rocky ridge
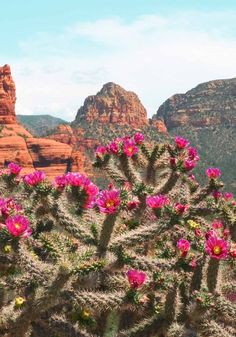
18, 144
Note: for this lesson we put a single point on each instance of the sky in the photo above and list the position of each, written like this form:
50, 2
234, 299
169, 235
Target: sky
61, 51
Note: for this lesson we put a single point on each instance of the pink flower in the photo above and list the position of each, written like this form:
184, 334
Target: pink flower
136, 278
192, 177
217, 248
180, 208
216, 194
139, 138
181, 143
129, 147
133, 204
228, 196
113, 148
18, 225
101, 150
210, 233
193, 154
232, 253
173, 162
14, 168
216, 224
108, 201
198, 232
213, 173
60, 181
34, 178
226, 233
193, 263
84, 184
9, 206
189, 164
183, 246
157, 201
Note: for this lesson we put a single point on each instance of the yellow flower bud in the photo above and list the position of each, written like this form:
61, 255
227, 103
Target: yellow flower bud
7, 249
19, 301
193, 224
85, 314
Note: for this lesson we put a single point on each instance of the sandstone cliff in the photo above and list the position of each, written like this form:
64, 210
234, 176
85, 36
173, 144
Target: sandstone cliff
113, 104
18, 145
210, 103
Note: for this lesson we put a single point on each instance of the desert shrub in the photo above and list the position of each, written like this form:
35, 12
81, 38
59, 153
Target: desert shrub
151, 255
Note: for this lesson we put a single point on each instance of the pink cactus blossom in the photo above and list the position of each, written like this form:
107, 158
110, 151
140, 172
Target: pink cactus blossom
18, 225
60, 181
213, 173
139, 138
133, 204
193, 154
210, 233
226, 233
193, 263
228, 196
9, 206
180, 208
216, 195
232, 253
189, 164
183, 246
181, 143
109, 201
129, 148
198, 232
14, 168
216, 224
34, 178
82, 182
217, 248
136, 278
173, 162
101, 150
157, 201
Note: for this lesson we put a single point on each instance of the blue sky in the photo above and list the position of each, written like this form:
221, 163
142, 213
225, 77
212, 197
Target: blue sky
62, 51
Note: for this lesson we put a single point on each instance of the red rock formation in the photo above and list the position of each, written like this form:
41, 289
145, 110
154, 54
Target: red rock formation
113, 104
64, 134
7, 96
49, 155
18, 145
159, 125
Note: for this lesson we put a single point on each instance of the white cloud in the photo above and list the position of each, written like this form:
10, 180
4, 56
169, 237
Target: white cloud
153, 56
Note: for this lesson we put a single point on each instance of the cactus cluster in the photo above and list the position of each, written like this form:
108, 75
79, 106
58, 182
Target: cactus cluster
152, 255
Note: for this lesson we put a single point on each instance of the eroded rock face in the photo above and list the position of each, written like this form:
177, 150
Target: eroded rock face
18, 145
210, 103
113, 104
7, 96
53, 157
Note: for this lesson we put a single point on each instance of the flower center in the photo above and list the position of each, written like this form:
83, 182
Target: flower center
217, 250
130, 149
109, 203
17, 226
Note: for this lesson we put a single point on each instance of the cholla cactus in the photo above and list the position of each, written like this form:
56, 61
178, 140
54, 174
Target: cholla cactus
151, 255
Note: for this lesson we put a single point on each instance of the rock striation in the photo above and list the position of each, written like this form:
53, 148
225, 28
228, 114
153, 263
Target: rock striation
113, 104
208, 104
18, 145
7, 96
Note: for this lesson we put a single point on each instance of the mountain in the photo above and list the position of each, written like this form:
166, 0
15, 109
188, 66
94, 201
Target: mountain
113, 104
206, 115
40, 125
18, 144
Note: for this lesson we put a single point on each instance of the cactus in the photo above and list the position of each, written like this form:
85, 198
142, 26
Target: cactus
151, 255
